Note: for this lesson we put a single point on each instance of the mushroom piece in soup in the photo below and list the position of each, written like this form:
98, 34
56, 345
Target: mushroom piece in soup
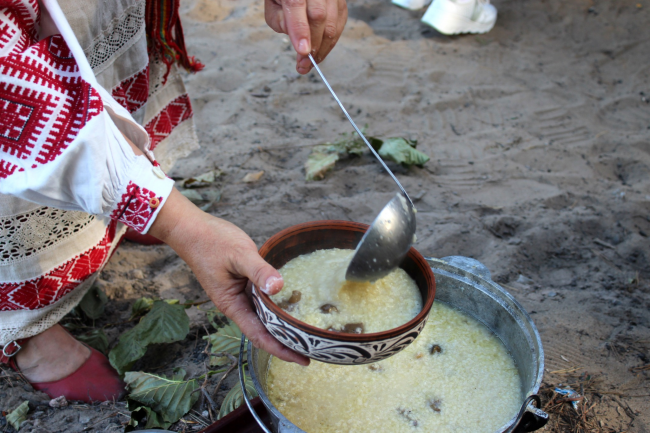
326, 300
420, 388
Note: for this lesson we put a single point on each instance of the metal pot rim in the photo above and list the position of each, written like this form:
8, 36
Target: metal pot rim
477, 274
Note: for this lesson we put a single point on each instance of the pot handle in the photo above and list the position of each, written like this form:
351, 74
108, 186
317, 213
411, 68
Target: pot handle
243, 387
530, 417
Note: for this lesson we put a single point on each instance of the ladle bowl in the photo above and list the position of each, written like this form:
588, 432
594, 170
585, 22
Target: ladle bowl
386, 242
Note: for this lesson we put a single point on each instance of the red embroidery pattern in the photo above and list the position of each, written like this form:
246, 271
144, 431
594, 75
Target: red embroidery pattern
133, 92
49, 288
46, 104
170, 117
134, 208
7, 169
18, 21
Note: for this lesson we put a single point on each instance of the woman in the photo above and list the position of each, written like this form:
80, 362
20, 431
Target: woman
82, 157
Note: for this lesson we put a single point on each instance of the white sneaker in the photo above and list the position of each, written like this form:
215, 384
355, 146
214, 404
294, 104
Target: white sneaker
452, 17
413, 5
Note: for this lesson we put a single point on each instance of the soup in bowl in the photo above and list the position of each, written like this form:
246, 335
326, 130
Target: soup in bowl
344, 342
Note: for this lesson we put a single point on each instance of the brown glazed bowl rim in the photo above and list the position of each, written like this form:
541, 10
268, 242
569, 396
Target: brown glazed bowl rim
341, 336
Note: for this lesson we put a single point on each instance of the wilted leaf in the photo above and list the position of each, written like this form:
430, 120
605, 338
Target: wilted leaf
144, 304
128, 350
318, 164
58, 402
93, 303
193, 196
96, 339
178, 373
202, 180
72, 326
142, 416
211, 197
204, 200
225, 340
402, 152
253, 177
141, 306
171, 399
215, 317
324, 156
235, 397
375, 143
165, 323
346, 144
18, 416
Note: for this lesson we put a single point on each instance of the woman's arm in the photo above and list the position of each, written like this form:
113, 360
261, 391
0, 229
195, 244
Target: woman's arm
224, 259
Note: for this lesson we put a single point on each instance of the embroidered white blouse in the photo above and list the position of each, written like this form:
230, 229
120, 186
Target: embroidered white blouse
62, 134
67, 175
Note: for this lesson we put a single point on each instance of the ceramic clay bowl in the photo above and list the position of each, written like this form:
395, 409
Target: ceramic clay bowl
329, 346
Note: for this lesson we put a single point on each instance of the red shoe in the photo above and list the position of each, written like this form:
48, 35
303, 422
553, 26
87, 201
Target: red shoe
95, 380
139, 238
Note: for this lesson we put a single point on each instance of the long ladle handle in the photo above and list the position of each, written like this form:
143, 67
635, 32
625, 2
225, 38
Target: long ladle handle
358, 130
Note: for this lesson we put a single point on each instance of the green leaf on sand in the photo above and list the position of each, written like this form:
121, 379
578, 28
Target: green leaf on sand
324, 156
202, 180
318, 164
402, 151
216, 317
96, 339
18, 416
93, 303
205, 199
141, 306
165, 323
169, 398
225, 340
235, 397
142, 416
178, 373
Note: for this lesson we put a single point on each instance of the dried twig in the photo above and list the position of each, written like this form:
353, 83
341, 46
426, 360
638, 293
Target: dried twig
230, 369
98, 421
566, 370
640, 368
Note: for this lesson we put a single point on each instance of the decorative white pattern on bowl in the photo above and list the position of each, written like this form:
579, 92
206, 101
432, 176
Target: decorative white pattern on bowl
328, 350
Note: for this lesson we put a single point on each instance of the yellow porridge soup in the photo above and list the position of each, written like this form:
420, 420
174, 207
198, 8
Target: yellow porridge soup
316, 292
443, 382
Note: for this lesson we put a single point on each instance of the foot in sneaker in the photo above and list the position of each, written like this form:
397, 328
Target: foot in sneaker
451, 17
413, 5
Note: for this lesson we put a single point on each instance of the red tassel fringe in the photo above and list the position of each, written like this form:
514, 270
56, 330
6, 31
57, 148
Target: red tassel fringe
165, 35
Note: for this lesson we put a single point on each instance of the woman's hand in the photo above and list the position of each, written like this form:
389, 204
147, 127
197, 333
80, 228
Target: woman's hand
314, 26
224, 259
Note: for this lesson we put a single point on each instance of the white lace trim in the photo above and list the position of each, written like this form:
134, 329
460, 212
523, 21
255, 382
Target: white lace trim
160, 95
180, 143
24, 235
115, 39
15, 325
157, 71
18, 324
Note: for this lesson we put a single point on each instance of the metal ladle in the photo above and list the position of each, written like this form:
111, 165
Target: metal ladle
391, 234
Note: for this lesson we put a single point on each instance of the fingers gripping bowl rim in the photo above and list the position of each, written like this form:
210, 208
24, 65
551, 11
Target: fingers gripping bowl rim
328, 346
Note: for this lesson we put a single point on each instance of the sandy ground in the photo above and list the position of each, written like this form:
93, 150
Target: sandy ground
538, 134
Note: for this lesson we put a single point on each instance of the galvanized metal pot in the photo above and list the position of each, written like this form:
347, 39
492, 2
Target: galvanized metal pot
465, 284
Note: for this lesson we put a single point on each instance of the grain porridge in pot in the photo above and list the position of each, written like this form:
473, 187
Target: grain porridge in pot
317, 293
437, 384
